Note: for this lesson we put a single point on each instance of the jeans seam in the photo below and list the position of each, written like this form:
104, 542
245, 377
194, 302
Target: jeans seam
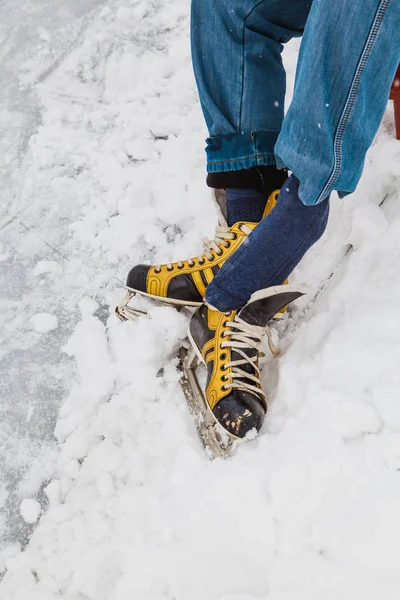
351, 97
242, 90
226, 160
243, 60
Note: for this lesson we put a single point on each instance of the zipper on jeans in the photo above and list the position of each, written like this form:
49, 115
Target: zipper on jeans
337, 145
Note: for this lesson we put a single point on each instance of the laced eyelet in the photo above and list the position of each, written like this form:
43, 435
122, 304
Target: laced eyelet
201, 261
157, 270
227, 245
223, 388
221, 252
170, 268
235, 236
211, 259
181, 267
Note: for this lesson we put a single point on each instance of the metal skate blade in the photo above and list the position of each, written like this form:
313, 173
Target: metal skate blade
125, 312
131, 313
216, 441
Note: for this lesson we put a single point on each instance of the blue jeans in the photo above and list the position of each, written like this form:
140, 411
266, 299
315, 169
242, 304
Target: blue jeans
348, 58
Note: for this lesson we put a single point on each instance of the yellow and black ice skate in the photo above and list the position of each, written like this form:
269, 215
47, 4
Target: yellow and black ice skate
234, 403
184, 283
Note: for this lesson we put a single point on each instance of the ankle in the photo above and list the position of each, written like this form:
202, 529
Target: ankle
248, 190
219, 299
244, 205
264, 179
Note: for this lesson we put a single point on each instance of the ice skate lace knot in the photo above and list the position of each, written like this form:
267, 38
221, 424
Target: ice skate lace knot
244, 336
223, 236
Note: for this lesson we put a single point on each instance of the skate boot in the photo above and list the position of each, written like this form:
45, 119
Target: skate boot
184, 283
229, 346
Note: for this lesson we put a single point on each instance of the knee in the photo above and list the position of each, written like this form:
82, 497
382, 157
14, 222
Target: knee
208, 11
268, 17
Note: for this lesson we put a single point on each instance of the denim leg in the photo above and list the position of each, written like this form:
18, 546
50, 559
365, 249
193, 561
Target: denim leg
271, 251
348, 58
236, 50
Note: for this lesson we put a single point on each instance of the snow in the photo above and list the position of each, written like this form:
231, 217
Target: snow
106, 144
30, 510
43, 322
45, 267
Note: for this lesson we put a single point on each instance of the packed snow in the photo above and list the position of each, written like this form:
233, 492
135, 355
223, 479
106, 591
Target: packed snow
105, 169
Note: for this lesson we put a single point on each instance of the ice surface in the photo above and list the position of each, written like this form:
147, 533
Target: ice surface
107, 170
35, 375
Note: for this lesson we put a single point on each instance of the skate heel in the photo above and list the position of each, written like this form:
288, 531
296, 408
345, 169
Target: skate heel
125, 312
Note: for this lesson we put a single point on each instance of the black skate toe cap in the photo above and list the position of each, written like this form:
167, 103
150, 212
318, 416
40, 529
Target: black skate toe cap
137, 278
239, 413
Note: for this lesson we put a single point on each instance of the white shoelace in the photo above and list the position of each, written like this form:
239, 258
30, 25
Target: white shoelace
222, 237
244, 336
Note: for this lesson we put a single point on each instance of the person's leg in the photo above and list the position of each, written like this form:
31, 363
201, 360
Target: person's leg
348, 59
272, 250
236, 50
237, 61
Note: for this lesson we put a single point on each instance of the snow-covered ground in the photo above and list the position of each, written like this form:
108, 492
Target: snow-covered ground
102, 167
35, 374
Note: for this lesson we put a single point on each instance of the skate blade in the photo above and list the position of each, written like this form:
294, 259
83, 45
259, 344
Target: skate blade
217, 442
128, 313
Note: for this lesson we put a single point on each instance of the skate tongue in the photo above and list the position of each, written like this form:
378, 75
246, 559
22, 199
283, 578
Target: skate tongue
265, 304
220, 203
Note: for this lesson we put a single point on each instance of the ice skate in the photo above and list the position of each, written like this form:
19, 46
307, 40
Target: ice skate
184, 283
234, 404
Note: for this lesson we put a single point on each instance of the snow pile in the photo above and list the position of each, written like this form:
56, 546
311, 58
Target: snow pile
136, 510
30, 510
43, 322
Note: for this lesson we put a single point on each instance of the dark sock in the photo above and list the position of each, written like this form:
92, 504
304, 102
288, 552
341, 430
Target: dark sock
264, 179
244, 205
272, 250
248, 190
